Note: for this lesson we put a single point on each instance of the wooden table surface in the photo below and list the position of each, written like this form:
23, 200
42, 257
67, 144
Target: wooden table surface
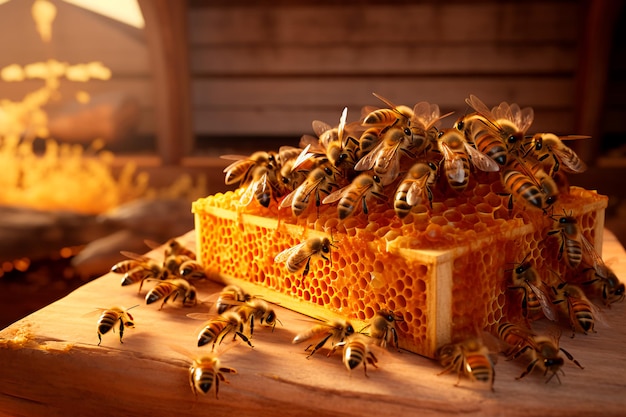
51, 365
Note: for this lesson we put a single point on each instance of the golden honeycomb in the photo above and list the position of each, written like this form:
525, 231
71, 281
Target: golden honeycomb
445, 269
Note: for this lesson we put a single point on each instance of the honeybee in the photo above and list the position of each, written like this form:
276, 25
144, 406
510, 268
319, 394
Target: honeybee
546, 146
230, 296
581, 313
518, 339
263, 179
259, 310
383, 327
458, 154
320, 182
206, 372
507, 123
392, 116
192, 269
172, 289
606, 283
240, 170
174, 247
546, 356
470, 358
358, 192
384, 159
415, 188
476, 130
369, 139
215, 330
535, 298
137, 268
114, 316
571, 241
333, 332
298, 257
520, 182
356, 351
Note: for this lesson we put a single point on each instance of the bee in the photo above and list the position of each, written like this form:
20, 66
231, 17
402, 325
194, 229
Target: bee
369, 139
206, 372
458, 154
415, 188
230, 296
333, 332
192, 269
240, 170
535, 299
356, 351
384, 159
518, 339
549, 148
571, 241
520, 182
215, 330
606, 283
470, 358
383, 327
172, 289
358, 192
508, 123
260, 188
259, 310
546, 356
114, 316
299, 257
582, 314
137, 268
320, 182
392, 116
174, 247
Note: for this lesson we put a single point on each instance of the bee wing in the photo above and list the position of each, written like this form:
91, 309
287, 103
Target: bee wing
199, 316
286, 202
234, 157
304, 156
369, 160
248, 193
480, 160
526, 118
94, 312
184, 352
342, 124
384, 100
480, 107
320, 127
544, 301
285, 254
416, 191
337, 194
569, 158
136, 256
592, 256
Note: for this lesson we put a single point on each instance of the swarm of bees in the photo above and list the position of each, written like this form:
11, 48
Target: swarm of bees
401, 158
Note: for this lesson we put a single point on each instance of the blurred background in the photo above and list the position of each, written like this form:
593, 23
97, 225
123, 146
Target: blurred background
112, 119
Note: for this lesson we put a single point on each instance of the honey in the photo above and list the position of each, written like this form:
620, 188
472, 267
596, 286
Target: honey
445, 269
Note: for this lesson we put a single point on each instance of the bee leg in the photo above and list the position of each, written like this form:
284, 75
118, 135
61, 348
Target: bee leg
244, 338
306, 268
318, 346
99, 338
529, 368
571, 358
121, 329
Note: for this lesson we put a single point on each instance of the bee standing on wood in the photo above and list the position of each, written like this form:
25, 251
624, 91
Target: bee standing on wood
333, 332
470, 358
112, 317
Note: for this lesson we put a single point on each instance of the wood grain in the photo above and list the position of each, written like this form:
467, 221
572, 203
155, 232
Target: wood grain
51, 365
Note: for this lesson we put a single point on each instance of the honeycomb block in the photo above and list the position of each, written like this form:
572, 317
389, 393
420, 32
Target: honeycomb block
445, 269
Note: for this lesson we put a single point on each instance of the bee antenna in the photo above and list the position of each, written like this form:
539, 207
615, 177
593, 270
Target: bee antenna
130, 308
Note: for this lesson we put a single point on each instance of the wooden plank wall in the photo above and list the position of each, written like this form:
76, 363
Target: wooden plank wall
269, 70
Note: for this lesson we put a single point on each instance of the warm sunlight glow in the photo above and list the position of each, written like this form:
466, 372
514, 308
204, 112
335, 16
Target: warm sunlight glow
126, 11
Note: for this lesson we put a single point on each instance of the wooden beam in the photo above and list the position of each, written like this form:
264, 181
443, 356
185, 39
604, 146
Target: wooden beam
166, 33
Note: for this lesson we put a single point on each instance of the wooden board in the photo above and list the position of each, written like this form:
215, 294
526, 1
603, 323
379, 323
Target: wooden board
52, 366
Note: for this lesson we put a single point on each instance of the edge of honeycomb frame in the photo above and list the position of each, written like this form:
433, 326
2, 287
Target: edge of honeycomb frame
443, 294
